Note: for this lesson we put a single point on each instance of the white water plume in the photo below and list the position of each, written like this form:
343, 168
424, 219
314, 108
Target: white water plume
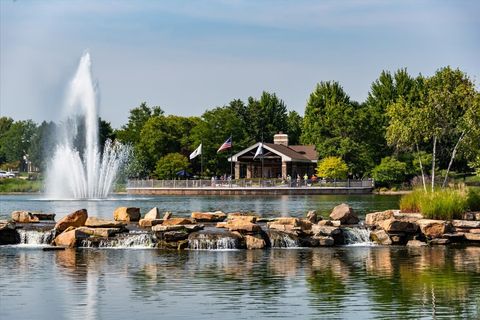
88, 174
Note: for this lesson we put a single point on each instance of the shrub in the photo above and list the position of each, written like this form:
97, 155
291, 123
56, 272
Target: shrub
332, 168
389, 171
473, 199
441, 204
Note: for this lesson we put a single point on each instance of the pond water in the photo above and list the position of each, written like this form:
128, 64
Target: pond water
270, 206
354, 282
345, 282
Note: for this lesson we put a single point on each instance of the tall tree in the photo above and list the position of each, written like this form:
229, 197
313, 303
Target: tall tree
15, 141
294, 127
266, 117
130, 133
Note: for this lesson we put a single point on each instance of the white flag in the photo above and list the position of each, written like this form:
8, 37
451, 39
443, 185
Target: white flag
197, 152
259, 151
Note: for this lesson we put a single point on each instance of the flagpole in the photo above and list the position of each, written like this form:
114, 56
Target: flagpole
231, 156
201, 160
262, 159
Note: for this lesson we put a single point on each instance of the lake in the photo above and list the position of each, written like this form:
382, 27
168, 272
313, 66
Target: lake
353, 282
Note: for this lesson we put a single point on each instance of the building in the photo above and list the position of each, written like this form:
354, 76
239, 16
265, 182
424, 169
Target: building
278, 160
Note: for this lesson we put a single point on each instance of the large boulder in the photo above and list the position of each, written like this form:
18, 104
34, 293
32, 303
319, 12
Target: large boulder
128, 214
75, 219
44, 216
153, 214
70, 238
145, 223
372, 219
394, 225
94, 222
242, 226
290, 224
216, 216
433, 228
320, 230
472, 236
24, 217
250, 217
324, 241
380, 237
345, 214
464, 224
8, 234
253, 242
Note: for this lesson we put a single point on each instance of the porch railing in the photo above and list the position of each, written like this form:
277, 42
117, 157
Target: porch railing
250, 183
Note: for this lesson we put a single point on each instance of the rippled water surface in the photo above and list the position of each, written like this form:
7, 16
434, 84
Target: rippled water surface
272, 206
345, 282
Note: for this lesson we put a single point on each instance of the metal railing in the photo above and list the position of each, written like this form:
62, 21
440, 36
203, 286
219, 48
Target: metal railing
249, 183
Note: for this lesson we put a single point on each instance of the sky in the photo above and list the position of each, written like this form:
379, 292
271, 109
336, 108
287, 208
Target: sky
190, 56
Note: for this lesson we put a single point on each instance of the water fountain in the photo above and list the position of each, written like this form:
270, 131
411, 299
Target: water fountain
75, 175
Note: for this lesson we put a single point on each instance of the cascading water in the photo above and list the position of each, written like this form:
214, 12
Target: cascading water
72, 174
36, 238
128, 240
357, 236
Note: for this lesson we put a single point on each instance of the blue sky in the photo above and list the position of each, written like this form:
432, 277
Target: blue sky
189, 56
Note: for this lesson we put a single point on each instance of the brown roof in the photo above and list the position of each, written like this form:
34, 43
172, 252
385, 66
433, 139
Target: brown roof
299, 153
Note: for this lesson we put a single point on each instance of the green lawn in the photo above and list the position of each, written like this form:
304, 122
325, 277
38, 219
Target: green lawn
20, 185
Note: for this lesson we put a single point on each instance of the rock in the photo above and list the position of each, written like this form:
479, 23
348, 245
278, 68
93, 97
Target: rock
75, 219
439, 242
153, 214
44, 216
173, 236
472, 236
398, 238
433, 228
99, 232
24, 217
407, 216
474, 231
477, 216
324, 241
70, 238
193, 227
468, 216
149, 223
312, 216
344, 213
177, 221
243, 226
167, 215
336, 223
94, 222
300, 224
380, 237
211, 240
128, 214
8, 234
242, 216
416, 243
372, 219
288, 228
319, 230
253, 242
209, 216
165, 228
466, 224
394, 225
455, 237
325, 223
221, 225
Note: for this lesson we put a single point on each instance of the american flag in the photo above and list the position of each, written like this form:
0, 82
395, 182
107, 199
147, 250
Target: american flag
226, 145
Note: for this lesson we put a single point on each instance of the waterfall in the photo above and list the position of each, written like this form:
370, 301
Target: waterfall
283, 240
83, 173
128, 240
357, 236
213, 242
36, 238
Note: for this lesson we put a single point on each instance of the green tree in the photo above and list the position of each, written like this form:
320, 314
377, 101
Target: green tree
334, 124
15, 141
266, 117
389, 171
42, 144
5, 124
332, 168
168, 165
130, 133
294, 125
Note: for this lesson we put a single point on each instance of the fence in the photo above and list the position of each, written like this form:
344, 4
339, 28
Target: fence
248, 183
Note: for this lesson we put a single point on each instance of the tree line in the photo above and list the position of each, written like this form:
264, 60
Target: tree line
408, 127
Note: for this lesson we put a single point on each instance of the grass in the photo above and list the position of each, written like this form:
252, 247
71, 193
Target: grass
442, 203
20, 185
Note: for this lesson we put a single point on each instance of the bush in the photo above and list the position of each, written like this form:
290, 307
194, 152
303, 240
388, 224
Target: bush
473, 199
389, 171
169, 165
444, 204
332, 168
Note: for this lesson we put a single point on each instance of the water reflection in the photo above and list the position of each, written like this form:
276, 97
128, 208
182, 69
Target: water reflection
347, 282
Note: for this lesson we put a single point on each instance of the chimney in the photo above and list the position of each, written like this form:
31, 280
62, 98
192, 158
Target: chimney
281, 138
